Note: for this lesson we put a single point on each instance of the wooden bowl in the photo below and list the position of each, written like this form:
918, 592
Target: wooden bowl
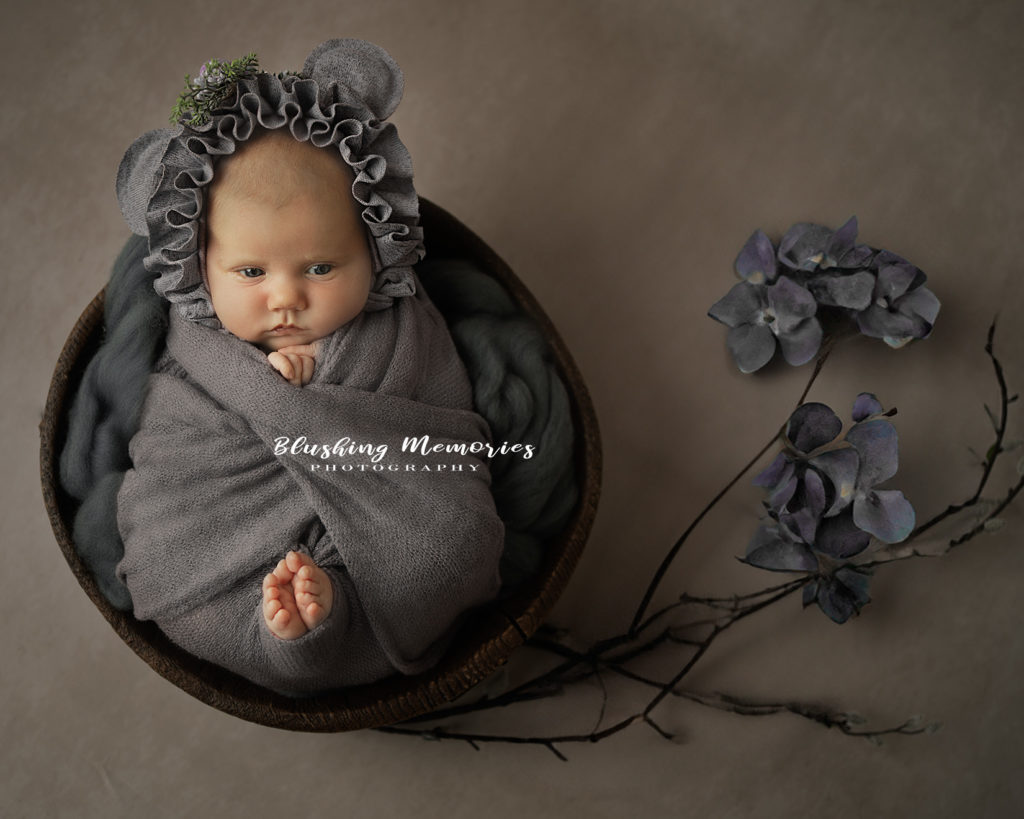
481, 647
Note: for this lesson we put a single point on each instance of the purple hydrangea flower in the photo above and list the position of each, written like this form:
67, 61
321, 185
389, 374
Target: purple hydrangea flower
901, 307
809, 247
780, 546
848, 474
816, 277
839, 588
810, 427
841, 594
886, 514
824, 506
759, 316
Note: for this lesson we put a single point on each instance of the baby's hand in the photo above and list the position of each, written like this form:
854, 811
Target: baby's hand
294, 362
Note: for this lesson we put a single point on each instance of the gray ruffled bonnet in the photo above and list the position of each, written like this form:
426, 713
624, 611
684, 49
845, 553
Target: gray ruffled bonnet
345, 91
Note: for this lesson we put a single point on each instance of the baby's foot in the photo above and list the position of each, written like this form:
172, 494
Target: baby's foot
314, 594
279, 609
297, 596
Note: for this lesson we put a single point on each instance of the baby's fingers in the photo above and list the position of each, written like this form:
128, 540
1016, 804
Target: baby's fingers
306, 364
282, 363
300, 349
302, 358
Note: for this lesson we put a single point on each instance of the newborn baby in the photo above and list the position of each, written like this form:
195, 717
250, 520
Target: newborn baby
287, 264
283, 230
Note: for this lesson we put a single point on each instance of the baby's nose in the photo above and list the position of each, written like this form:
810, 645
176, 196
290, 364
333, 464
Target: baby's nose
286, 294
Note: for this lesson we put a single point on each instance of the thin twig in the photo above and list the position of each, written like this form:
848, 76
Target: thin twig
595, 735
710, 602
980, 527
993, 452
842, 720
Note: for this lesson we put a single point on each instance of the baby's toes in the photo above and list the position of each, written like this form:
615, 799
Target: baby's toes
314, 598
307, 591
276, 615
307, 577
271, 608
296, 561
313, 615
282, 573
279, 610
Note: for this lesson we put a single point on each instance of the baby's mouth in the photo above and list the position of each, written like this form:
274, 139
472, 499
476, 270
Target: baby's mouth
285, 328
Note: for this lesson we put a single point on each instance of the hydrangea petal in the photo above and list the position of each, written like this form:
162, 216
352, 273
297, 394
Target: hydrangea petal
840, 537
843, 595
779, 470
812, 425
857, 256
840, 467
864, 405
894, 280
856, 580
779, 555
803, 246
756, 261
887, 257
886, 514
811, 495
752, 346
836, 601
841, 242
766, 534
801, 344
790, 303
783, 493
803, 523
741, 305
878, 446
923, 303
852, 291
880, 322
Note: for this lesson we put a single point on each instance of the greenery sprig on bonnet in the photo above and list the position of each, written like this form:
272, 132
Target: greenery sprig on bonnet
210, 88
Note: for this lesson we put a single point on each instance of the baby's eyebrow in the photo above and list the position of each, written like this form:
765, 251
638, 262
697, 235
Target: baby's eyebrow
236, 266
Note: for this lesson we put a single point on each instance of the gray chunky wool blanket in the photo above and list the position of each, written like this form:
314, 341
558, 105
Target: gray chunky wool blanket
214, 500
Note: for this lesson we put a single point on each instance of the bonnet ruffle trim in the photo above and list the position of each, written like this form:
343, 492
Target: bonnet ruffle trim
165, 188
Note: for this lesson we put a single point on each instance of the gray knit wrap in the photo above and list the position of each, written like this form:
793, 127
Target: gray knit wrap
346, 91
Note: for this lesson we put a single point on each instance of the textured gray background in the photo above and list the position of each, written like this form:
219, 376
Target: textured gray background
617, 155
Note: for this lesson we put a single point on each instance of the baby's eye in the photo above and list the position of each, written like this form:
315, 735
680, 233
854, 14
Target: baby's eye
321, 269
250, 272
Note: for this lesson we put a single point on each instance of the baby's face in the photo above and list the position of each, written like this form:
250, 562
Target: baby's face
287, 259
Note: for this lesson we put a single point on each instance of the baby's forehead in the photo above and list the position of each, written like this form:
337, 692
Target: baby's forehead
275, 161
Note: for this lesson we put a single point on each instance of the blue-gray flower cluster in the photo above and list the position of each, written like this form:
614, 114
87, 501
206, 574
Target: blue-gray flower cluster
824, 505
785, 291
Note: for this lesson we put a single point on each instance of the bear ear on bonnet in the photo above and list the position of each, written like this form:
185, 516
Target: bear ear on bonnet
137, 176
367, 70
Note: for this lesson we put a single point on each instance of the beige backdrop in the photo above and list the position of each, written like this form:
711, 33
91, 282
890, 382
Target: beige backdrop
617, 154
